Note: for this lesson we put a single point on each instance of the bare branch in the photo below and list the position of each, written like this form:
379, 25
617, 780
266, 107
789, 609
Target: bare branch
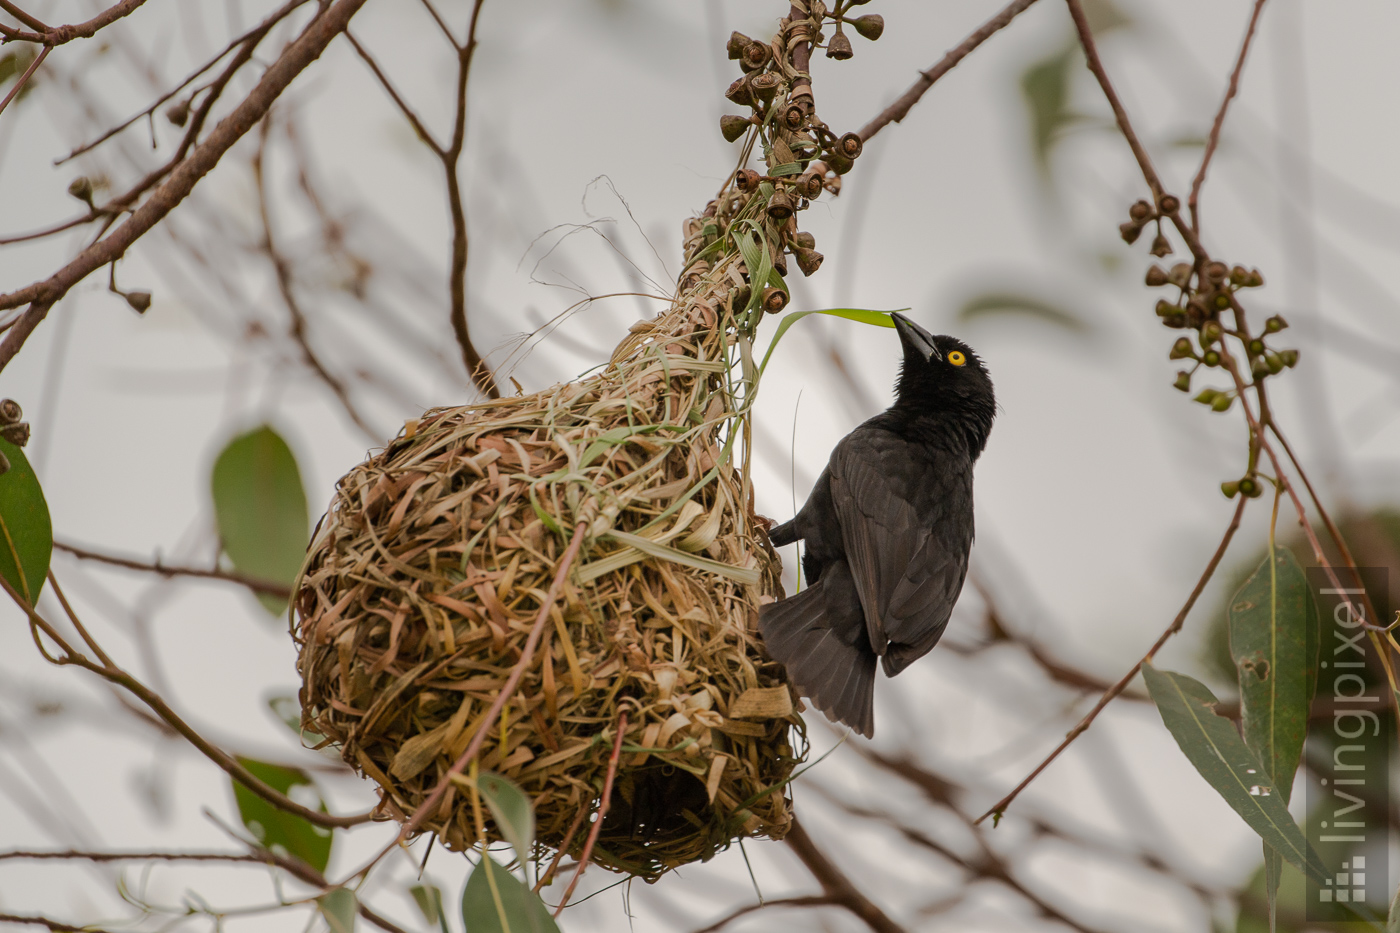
58, 35
280, 590
816, 900
54, 925
80, 855
900, 108
835, 884
294, 59
1000, 806
404, 108
1214, 139
24, 78
603, 802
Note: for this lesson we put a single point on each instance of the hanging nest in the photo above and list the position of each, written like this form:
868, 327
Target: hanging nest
429, 569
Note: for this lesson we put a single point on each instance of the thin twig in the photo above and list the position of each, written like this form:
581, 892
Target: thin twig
900, 108
603, 803
1214, 139
815, 900
78, 854
283, 269
279, 590
54, 925
292, 62
413, 119
1000, 806
834, 882
24, 78
58, 35
29, 20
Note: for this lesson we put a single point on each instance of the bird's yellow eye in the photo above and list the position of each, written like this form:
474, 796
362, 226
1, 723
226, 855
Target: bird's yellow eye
957, 358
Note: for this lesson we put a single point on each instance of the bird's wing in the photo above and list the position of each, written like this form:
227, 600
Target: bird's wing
908, 570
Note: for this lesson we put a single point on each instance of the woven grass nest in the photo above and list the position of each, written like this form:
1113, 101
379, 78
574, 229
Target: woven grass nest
430, 566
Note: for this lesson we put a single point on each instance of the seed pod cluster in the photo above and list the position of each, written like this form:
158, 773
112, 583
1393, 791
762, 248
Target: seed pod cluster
802, 156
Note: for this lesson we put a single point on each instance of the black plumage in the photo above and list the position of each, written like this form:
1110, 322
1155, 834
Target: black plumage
888, 528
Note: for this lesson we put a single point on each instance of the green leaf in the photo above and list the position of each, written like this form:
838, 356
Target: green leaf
877, 318
260, 506
511, 809
1273, 626
1212, 745
339, 907
754, 249
276, 829
1273, 643
26, 535
787, 168
990, 304
495, 901
1045, 87
428, 897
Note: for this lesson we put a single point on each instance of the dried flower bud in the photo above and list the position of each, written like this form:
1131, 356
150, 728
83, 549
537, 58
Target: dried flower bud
1230, 488
1195, 313
1161, 246
736, 45
1238, 275
17, 434
755, 56
809, 186
1211, 331
81, 188
1182, 350
870, 26
10, 412
1169, 203
1259, 369
732, 127
774, 300
794, 116
1251, 487
1207, 396
1289, 357
740, 93
1273, 361
178, 113
739, 298
746, 179
1141, 211
1216, 271
1183, 381
1210, 358
804, 240
839, 47
1156, 276
1256, 347
1275, 324
850, 145
808, 260
1222, 402
838, 163
1180, 274
1221, 301
139, 301
765, 85
780, 205
1166, 308
1130, 231
1254, 280
1176, 321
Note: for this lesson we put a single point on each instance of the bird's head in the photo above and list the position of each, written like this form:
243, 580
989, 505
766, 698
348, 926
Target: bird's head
941, 374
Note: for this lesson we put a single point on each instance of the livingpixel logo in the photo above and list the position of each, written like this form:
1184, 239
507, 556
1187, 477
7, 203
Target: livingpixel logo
1346, 886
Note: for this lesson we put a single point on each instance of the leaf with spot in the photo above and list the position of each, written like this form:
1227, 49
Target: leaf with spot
495, 901
260, 506
1212, 745
278, 830
26, 535
1273, 642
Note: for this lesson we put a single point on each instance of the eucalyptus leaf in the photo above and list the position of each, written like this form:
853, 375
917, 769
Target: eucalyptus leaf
511, 809
26, 534
861, 315
339, 907
495, 901
991, 304
260, 507
1212, 745
278, 830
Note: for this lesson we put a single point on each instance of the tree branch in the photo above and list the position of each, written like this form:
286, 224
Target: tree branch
1000, 806
294, 59
1214, 139
51, 36
900, 108
279, 590
835, 884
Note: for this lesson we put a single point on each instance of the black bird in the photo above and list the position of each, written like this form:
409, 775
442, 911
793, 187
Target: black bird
888, 528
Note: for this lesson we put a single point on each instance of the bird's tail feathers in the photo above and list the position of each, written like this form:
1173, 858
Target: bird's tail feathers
837, 677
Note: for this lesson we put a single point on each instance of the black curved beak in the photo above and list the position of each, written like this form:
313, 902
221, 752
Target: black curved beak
915, 338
